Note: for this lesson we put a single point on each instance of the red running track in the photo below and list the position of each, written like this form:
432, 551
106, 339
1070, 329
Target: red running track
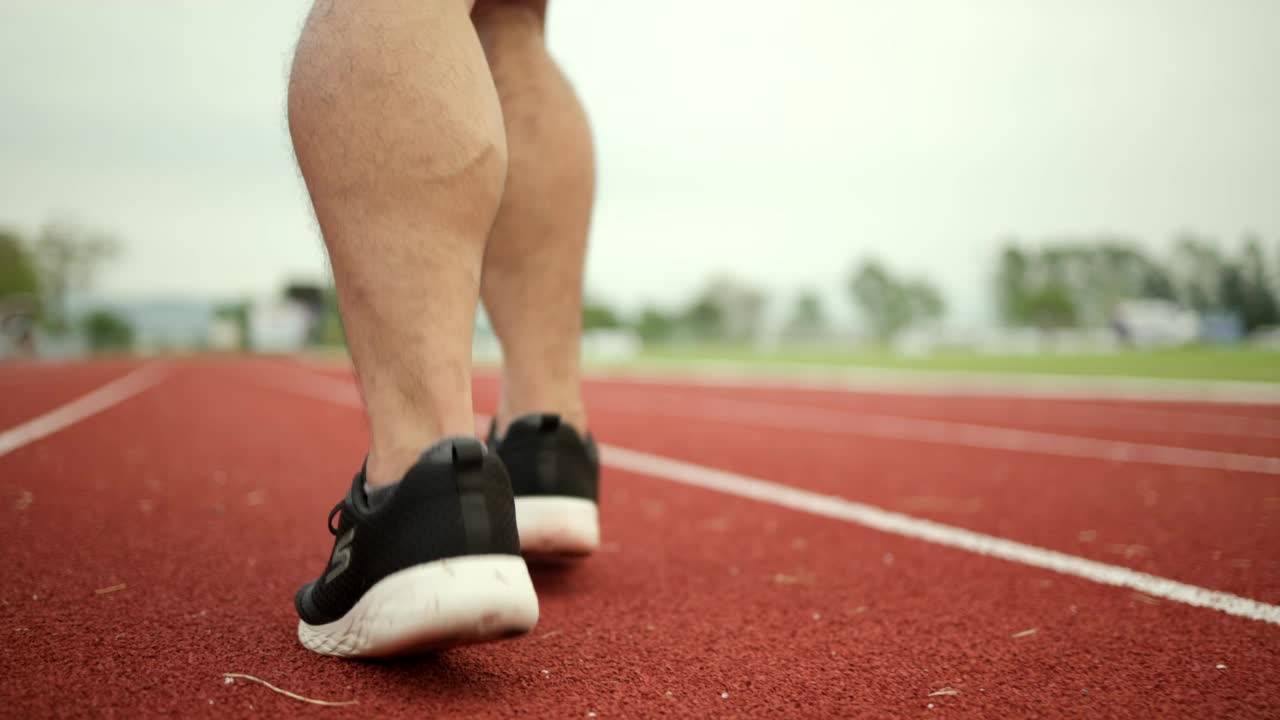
29, 389
205, 498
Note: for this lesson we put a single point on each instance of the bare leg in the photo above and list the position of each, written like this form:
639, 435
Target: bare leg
533, 264
399, 134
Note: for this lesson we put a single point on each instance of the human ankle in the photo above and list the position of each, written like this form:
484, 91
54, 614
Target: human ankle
571, 411
390, 458
385, 467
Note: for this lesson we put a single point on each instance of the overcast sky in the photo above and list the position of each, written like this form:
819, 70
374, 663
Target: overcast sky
776, 141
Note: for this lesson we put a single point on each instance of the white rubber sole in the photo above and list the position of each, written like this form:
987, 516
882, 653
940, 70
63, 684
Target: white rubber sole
557, 525
436, 605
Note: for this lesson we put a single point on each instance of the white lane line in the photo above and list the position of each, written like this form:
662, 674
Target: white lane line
85, 406
936, 533
869, 516
1149, 418
942, 432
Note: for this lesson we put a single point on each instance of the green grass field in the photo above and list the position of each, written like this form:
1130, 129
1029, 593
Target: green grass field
1195, 363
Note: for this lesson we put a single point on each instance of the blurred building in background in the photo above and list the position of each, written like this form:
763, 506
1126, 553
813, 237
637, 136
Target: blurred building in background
1150, 323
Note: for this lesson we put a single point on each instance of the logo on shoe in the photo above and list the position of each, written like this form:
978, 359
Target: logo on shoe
341, 555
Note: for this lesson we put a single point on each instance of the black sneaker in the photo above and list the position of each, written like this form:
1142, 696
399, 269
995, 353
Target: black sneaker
555, 473
432, 561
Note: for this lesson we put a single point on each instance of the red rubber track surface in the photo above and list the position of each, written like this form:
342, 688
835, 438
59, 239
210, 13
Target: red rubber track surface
206, 497
1243, 429
1208, 527
29, 390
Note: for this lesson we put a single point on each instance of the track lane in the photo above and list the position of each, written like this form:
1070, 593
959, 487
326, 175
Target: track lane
1209, 528
27, 390
484, 400
695, 595
1207, 428
1249, 429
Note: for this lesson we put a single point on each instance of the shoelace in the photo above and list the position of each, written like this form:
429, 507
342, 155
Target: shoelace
336, 509
356, 482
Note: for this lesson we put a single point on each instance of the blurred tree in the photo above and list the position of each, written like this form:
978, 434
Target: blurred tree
880, 300
1260, 306
330, 332
106, 330
19, 293
727, 309
597, 315
925, 302
1055, 265
1197, 265
238, 314
1079, 280
1051, 307
67, 256
704, 319
654, 325
1115, 272
312, 297
18, 274
1012, 284
1232, 291
1101, 272
808, 321
1157, 284
890, 305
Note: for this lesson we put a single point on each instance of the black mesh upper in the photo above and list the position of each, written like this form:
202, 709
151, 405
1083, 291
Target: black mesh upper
544, 457
456, 500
